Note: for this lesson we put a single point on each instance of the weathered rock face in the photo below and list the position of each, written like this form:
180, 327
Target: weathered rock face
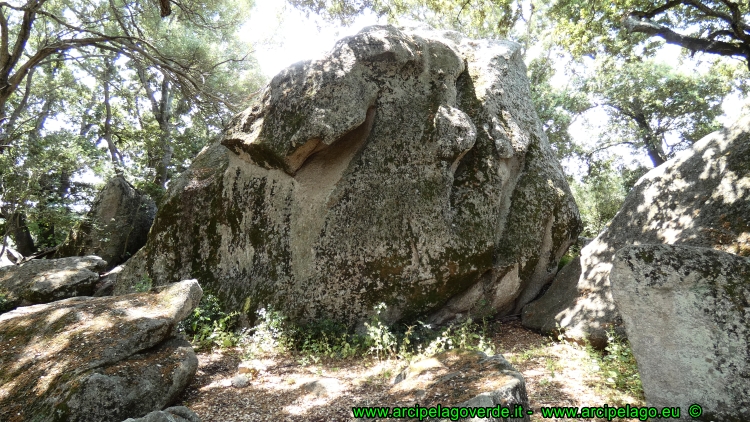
407, 168
699, 198
116, 226
687, 316
96, 359
48, 280
461, 378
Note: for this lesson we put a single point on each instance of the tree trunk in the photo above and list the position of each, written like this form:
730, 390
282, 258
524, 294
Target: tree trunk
21, 234
650, 141
107, 135
162, 110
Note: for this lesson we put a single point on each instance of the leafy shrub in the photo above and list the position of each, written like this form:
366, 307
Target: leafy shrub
333, 340
271, 334
144, 284
4, 302
209, 325
618, 366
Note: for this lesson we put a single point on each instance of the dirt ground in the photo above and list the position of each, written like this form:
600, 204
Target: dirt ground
286, 389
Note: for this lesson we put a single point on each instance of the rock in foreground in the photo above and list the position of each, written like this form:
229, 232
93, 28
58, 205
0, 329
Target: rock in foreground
687, 316
47, 280
116, 226
96, 359
699, 198
405, 167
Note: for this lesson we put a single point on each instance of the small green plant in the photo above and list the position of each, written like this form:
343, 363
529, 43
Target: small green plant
272, 333
617, 365
4, 302
144, 284
379, 338
329, 339
209, 325
465, 335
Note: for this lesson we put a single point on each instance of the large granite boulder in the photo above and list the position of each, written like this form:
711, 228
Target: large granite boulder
96, 359
116, 226
462, 378
699, 198
687, 315
47, 280
406, 167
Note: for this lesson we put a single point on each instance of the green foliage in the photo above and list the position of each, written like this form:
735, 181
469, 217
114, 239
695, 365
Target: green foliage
555, 106
327, 339
599, 197
482, 18
208, 325
617, 366
606, 27
379, 338
654, 108
144, 284
81, 112
4, 302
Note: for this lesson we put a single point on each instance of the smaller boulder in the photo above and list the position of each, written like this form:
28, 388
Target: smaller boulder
580, 317
47, 280
687, 315
116, 226
96, 359
701, 197
171, 414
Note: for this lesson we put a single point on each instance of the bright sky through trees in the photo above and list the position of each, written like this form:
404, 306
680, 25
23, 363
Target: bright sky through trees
283, 35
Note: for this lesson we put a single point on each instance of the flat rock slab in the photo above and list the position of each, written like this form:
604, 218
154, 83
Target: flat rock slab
687, 315
47, 280
460, 378
95, 359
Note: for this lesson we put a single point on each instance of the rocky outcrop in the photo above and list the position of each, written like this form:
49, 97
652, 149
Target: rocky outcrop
699, 198
48, 280
116, 226
461, 378
96, 359
406, 167
687, 315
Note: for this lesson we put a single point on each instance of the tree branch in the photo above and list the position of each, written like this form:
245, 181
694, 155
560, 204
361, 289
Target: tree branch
633, 24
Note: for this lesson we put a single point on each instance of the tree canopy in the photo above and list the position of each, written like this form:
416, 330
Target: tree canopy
124, 86
100, 87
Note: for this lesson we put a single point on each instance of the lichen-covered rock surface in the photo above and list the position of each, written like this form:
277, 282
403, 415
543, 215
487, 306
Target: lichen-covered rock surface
116, 226
462, 378
699, 198
687, 315
47, 280
96, 359
406, 167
